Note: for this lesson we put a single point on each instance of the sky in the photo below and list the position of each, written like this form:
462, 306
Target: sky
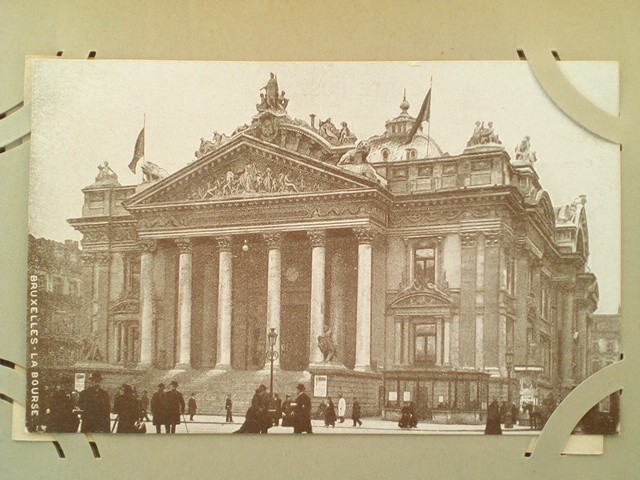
88, 112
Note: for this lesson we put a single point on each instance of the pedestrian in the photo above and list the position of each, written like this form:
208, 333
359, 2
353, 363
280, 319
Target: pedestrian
493, 419
405, 416
276, 407
174, 402
287, 412
192, 407
127, 407
62, 415
342, 408
356, 413
414, 415
503, 412
158, 407
302, 412
144, 407
330, 414
95, 406
514, 413
228, 406
256, 419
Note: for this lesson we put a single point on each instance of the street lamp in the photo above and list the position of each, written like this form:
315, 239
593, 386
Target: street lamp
272, 355
508, 421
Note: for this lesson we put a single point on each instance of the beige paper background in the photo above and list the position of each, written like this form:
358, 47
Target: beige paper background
327, 30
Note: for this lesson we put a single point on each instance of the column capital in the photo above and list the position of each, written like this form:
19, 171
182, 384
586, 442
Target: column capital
273, 240
224, 243
492, 238
147, 245
318, 237
88, 258
184, 245
102, 258
468, 239
364, 234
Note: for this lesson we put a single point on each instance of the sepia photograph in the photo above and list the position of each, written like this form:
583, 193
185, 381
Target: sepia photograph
318, 247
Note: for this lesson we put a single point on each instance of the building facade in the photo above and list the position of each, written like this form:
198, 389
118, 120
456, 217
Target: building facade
398, 271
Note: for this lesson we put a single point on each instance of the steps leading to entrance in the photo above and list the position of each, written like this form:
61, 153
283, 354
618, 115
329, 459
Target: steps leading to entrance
212, 387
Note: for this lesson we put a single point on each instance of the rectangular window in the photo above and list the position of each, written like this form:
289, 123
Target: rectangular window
424, 265
425, 171
425, 344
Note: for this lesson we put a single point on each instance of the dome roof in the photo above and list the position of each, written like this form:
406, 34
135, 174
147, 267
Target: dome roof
391, 146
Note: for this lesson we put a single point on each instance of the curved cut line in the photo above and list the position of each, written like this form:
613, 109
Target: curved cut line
566, 416
11, 110
59, 449
6, 398
16, 143
7, 363
94, 449
571, 102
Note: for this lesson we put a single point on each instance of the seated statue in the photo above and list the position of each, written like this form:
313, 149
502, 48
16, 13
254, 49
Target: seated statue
327, 346
152, 172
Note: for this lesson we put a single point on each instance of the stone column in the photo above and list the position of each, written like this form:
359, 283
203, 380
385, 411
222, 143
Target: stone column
184, 302
502, 345
446, 349
147, 331
439, 341
567, 339
274, 278
455, 341
583, 337
398, 343
363, 316
318, 241
480, 303
225, 305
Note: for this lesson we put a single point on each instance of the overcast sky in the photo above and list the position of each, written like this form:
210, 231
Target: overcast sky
86, 112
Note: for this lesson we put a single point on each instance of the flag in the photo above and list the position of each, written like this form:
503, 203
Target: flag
138, 152
423, 116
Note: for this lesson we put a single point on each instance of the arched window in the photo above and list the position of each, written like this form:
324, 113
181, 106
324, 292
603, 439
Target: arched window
412, 154
385, 154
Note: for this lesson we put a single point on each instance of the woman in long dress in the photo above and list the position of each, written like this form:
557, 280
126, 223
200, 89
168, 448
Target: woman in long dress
493, 419
330, 414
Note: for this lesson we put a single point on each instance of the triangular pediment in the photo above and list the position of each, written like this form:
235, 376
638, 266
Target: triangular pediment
428, 295
247, 168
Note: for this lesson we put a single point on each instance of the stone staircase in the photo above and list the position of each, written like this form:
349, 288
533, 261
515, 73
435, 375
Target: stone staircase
212, 387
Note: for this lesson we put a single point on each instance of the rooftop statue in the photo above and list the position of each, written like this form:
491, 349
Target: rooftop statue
345, 137
328, 130
152, 172
207, 146
106, 175
271, 100
524, 153
483, 135
355, 160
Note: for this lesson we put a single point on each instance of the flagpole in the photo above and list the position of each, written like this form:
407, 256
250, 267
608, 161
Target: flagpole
429, 121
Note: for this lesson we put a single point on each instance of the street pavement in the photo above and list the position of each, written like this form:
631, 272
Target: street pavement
217, 424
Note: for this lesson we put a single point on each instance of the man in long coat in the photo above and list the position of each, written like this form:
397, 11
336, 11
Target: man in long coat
158, 407
127, 407
95, 405
174, 402
302, 412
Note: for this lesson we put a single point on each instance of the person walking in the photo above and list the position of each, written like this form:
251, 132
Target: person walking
302, 412
256, 420
144, 407
330, 414
127, 407
158, 407
228, 406
174, 402
276, 407
95, 405
62, 417
192, 407
342, 408
356, 413
287, 412
493, 419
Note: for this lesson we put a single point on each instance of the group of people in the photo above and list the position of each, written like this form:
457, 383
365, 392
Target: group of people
327, 411
408, 416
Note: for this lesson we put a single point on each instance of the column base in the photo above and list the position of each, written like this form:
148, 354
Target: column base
267, 367
182, 366
144, 366
363, 368
222, 367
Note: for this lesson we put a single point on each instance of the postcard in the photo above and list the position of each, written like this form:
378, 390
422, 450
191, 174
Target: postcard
336, 248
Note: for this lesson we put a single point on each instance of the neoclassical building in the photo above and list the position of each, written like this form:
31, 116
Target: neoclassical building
395, 270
